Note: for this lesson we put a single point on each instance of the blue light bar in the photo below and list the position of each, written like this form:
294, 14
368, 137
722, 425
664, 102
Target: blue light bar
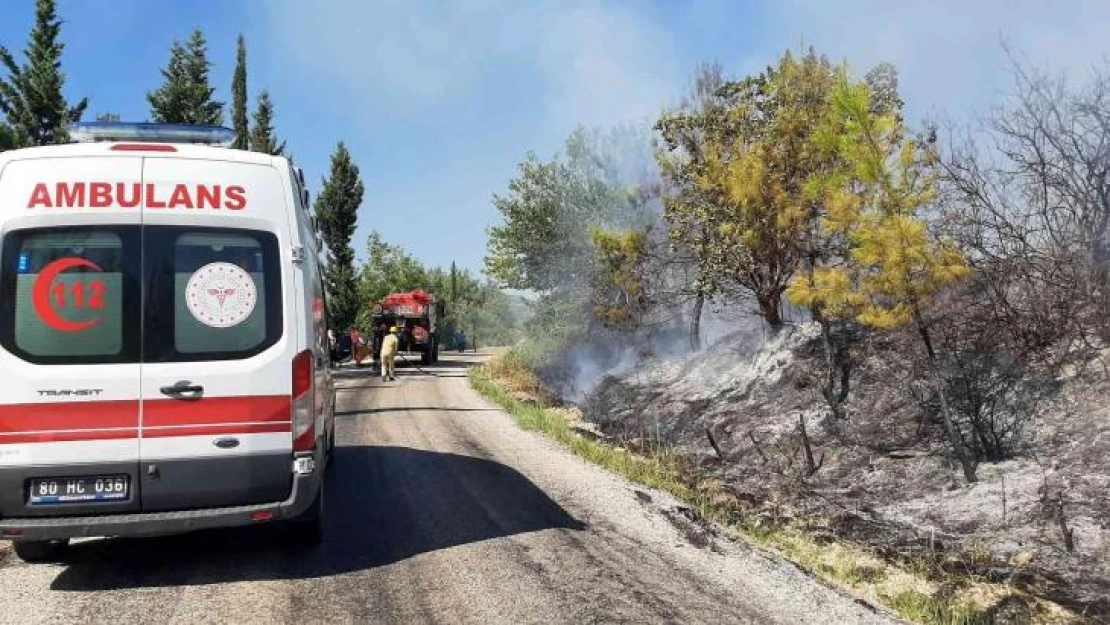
92, 132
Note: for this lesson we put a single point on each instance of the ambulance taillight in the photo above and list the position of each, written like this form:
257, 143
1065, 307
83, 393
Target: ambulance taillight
304, 400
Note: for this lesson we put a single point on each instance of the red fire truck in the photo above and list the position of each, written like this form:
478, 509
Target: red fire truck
416, 313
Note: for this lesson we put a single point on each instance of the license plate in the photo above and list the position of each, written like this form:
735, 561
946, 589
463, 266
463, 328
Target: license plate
56, 490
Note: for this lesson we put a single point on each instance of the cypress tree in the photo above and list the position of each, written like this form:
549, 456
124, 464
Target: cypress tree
262, 137
239, 98
186, 96
7, 138
337, 211
454, 283
31, 95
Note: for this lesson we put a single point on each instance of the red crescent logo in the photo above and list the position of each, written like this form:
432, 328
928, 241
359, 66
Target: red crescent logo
40, 295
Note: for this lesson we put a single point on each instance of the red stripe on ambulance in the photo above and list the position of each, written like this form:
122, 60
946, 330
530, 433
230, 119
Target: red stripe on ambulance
86, 415
67, 437
217, 410
216, 430
105, 420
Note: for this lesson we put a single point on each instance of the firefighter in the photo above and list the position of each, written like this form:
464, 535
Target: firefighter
389, 352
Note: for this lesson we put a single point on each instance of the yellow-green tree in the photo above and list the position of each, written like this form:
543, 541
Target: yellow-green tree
757, 172
619, 295
895, 267
772, 178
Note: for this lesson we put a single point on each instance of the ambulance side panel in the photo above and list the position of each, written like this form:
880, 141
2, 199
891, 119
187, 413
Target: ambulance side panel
70, 296
310, 286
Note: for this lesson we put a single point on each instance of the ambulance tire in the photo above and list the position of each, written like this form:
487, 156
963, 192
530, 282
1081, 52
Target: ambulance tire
41, 550
435, 350
308, 531
426, 355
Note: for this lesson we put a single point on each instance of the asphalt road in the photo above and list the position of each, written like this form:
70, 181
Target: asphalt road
439, 510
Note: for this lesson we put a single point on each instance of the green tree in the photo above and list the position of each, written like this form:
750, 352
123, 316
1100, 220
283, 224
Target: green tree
263, 138
337, 211
619, 292
771, 177
681, 159
185, 97
388, 269
544, 241
480, 310
757, 165
239, 98
31, 96
8, 139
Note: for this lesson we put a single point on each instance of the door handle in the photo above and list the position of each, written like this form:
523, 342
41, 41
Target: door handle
182, 388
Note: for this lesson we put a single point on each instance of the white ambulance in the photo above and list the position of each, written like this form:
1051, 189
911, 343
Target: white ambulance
163, 339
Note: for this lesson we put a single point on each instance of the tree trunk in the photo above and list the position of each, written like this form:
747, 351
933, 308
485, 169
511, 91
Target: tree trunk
771, 310
946, 412
836, 365
695, 322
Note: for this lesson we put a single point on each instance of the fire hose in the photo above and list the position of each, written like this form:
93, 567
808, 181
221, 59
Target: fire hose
418, 367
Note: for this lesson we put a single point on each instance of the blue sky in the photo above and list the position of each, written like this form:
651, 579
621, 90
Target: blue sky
438, 101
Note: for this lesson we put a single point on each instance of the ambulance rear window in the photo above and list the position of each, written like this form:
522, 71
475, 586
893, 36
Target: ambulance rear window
68, 294
212, 293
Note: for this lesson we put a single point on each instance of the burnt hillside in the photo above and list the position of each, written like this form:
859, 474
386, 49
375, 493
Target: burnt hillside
884, 475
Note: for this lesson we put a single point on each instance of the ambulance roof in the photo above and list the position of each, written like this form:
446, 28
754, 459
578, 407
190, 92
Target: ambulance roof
149, 150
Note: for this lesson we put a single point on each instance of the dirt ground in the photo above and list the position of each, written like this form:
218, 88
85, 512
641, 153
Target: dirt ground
886, 477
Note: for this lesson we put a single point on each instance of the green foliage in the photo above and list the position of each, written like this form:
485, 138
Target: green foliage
388, 269
544, 241
681, 159
8, 139
737, 161
337, 211
262, 137
558, 318
894, 266
757, 169
185, 96
31, 96
480, 310
239, 98
619, 293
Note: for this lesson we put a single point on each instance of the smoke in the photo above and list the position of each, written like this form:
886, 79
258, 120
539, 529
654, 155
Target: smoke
584, 363
622, 160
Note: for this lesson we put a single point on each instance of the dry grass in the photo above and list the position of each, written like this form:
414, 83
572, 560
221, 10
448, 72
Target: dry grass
913, 594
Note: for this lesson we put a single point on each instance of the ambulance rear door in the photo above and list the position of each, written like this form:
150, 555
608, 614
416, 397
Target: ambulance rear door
70, 304
218, 344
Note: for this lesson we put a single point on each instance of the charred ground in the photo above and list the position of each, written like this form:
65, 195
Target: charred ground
883, 475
